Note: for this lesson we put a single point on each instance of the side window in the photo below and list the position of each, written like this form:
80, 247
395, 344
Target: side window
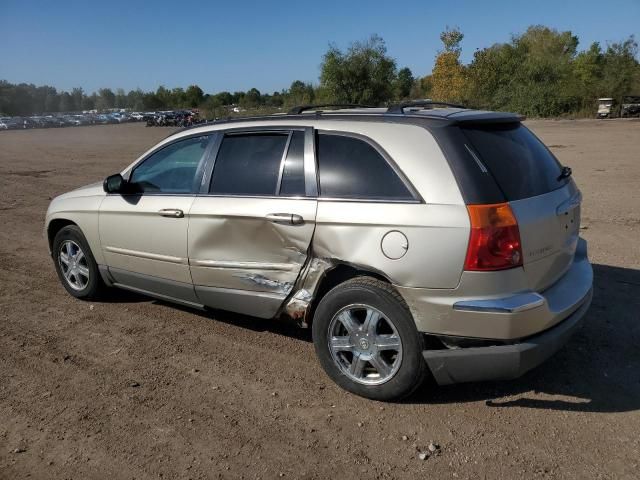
172, 169
248, 164
293, 173
352, 168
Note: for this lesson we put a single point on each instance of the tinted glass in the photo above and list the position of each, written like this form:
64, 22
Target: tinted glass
293, 173
521, 165
248, 164
352, 168
172, 169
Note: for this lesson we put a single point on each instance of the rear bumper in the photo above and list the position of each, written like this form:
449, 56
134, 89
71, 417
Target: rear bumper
500, 305
503, 362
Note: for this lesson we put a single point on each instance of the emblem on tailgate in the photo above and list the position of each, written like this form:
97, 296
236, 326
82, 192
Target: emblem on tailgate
539, 251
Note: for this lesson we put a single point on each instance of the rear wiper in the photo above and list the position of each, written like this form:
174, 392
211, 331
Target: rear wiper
565, 173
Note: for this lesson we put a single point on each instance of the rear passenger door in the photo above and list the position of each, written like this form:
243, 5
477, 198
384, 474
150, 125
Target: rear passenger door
251, 226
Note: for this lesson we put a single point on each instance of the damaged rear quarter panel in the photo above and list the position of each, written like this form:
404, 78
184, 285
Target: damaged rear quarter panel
437, 237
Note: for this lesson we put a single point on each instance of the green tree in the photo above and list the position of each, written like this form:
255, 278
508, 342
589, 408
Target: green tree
106, 99
135, 99
177, 98
151, 101
587, 76
620, 69
275, 100
403, 84
251, 99
120, 98
300, 93
78, 96
89, 102
363, 74
421, 87
224, 98
66, 102
51, 101
163, 98
194, 96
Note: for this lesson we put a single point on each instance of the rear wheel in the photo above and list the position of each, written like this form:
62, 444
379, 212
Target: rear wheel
75, 265
367, 342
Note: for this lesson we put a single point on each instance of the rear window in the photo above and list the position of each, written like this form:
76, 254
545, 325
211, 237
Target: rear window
521, 165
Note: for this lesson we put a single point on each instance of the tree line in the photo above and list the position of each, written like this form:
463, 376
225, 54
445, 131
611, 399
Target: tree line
540, 72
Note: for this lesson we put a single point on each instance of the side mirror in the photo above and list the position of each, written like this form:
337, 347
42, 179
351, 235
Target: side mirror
114, 184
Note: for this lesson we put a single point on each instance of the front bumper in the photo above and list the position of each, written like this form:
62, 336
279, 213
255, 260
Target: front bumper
503, 362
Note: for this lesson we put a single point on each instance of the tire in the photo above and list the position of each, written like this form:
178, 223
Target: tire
356, 302
84, 281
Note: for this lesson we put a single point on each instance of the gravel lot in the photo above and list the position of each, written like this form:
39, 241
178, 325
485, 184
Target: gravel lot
136, 388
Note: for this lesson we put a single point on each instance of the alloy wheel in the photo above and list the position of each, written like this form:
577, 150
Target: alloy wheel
365, 344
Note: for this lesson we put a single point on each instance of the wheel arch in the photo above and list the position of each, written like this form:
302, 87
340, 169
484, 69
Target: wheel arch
318, 278
54, 227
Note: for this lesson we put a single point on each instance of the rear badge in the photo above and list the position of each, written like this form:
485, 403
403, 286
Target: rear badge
539, 252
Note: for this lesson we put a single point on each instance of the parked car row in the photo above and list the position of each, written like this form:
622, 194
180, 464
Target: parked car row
171, 118
67, 120
163, 118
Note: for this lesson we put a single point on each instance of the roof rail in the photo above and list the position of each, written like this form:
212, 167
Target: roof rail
399, 107
297, 110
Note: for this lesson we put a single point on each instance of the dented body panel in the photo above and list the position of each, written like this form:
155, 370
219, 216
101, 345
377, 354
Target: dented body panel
436, 240
234, 245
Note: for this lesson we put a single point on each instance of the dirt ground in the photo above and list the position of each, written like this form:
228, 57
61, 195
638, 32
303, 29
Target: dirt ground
136, 388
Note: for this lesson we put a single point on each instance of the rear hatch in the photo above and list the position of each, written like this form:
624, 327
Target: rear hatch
544, 200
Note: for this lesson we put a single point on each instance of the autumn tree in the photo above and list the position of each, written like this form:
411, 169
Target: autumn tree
447, 78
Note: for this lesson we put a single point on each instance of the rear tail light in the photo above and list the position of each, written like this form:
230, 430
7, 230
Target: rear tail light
495, 238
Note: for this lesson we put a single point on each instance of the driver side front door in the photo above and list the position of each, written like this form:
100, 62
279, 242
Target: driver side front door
144, 233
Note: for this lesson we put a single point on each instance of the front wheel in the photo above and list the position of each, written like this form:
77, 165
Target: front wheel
75, 265
367, 342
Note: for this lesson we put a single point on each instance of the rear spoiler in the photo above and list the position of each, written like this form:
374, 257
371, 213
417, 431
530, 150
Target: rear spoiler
473, 117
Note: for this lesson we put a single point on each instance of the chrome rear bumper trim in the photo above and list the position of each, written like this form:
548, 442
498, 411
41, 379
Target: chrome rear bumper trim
512, 304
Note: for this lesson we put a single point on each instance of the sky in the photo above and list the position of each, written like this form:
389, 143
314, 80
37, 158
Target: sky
238, 45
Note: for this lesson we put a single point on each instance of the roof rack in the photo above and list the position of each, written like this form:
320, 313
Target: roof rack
301, 108
399, 107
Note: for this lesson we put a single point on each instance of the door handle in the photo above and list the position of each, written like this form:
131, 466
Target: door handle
171, 212
286, 218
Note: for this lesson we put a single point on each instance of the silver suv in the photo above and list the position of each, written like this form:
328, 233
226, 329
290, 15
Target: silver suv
414, 240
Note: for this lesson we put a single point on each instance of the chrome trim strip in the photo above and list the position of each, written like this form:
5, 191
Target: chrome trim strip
323, 199
242, 195
282, 160
483, 169
310, 164
150, 256
513, 304
210, 158
284, 267
368, 200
